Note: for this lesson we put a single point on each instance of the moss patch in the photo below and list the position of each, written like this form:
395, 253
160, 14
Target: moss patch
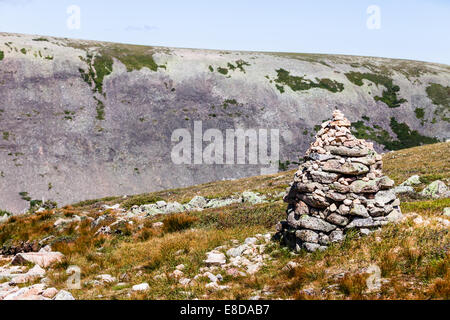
406, 138
420, 113
300, 83
389, 96
440, 96
2, 55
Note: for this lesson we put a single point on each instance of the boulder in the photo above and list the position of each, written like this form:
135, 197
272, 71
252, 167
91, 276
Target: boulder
412, 181
435, 190
360, 186
43, 259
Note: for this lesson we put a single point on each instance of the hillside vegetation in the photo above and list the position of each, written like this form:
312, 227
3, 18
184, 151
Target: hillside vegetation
413, 256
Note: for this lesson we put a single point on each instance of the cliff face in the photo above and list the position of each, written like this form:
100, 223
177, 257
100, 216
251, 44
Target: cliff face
82, 119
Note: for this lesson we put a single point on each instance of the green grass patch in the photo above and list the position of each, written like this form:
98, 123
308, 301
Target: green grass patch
406, 138
2, 55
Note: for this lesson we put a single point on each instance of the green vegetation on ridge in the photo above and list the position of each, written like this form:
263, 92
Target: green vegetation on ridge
389, 96
300, 83
406, 138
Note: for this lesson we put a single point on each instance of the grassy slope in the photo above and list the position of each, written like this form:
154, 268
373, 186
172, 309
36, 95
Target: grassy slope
415, 259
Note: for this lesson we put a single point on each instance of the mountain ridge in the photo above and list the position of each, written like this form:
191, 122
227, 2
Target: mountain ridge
85, 119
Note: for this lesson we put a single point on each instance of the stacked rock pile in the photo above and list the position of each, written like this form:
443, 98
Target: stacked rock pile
340, 187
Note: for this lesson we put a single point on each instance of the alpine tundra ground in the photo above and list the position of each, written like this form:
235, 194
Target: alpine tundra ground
413, 256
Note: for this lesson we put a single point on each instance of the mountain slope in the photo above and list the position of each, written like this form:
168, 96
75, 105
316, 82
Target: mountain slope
83, 119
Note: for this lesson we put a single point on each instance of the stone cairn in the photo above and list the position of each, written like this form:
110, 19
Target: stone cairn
339, 188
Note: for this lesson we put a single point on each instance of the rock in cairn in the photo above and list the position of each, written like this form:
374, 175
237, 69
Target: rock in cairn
340, 187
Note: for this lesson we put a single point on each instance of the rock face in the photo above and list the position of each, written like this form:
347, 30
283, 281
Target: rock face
340, 187
84, 120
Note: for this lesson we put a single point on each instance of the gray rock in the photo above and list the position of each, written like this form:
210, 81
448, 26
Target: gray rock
363, 223
367, 161
252, 198
335, 196
395, 216
348, 152
359, 210
336, 186
364, 232
314, 223
315, 200
324, 177
435, 190
236, 252
347, 168
344, 210
311, 247
446, 212
215, 258
338, 219
376, 212
403, 190
385, 183
337, 236
173, 207
360, 186
198, 202
324, 239
64, 295
307, 236
320, 157
382, 198
308, 187
412, 181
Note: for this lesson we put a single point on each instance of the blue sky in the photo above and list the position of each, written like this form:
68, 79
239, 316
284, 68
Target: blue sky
410, 29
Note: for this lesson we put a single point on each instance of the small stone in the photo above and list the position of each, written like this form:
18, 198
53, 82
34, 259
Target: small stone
333, 208
141, 287
336, 236
364, 232
359, 210
338, 219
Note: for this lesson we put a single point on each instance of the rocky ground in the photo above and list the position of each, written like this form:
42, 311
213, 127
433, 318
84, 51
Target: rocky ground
214, 242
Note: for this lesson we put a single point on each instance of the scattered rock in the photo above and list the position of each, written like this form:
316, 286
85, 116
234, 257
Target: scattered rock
141, 287
64, 295
436, 190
